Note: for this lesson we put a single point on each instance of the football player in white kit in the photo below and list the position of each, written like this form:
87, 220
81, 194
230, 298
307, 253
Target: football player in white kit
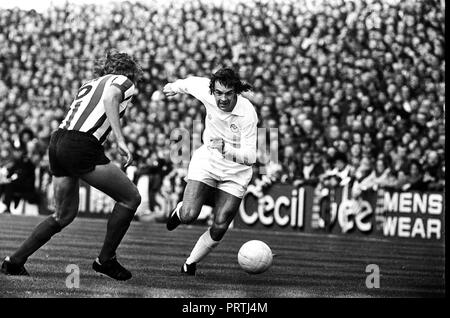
222, 166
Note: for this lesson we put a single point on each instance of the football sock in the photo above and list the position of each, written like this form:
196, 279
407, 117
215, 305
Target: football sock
40, 235
203, 247
118, 224
177, 212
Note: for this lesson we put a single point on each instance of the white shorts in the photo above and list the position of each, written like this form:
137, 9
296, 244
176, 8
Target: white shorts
220, 173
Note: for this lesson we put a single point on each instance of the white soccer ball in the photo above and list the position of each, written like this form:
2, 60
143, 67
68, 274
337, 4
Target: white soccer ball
255, 257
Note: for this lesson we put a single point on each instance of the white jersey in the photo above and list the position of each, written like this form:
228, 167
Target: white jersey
237, 128
87, 111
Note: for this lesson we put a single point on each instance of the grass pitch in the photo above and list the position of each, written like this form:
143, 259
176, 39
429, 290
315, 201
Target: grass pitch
306, 265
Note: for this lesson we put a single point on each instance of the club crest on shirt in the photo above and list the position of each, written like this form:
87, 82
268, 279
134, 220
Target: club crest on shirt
234, 128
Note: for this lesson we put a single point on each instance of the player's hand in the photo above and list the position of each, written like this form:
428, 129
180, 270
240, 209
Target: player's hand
216, 143
124, 151
168, 90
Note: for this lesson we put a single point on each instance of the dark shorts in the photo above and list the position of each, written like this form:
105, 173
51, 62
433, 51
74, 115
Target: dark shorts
73, 153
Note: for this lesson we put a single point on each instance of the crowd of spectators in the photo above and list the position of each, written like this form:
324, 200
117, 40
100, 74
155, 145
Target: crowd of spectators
356, 85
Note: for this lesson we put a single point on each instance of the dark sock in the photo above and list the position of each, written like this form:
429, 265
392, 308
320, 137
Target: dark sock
118, 224
40, 235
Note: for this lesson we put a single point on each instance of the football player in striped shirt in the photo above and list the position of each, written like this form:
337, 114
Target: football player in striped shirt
222, 167
76, 152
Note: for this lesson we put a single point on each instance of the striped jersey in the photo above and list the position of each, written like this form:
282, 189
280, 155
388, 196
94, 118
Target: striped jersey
87, 111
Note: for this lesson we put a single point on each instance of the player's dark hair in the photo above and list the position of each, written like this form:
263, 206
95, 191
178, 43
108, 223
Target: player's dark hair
120, 64
229, 78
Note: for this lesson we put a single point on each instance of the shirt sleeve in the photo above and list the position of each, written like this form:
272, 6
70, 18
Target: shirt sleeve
195, 86
246, 154
125, 85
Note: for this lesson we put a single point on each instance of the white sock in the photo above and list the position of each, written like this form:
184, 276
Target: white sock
203, 247
178, 209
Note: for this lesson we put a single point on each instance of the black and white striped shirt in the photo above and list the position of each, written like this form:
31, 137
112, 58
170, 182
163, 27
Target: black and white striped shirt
87, 111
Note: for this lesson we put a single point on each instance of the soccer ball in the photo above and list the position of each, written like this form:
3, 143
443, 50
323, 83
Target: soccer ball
255, 257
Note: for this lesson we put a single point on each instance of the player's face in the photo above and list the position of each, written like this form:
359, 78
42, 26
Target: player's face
225, 97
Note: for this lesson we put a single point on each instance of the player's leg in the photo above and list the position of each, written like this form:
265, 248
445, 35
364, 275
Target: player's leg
66, 208
187, 211
227, 208
114, 182
201, 181
224, 212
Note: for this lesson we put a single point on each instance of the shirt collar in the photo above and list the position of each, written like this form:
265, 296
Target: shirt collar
238, 109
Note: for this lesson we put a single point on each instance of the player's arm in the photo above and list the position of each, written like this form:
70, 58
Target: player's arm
195, 86
246, 154
113, 98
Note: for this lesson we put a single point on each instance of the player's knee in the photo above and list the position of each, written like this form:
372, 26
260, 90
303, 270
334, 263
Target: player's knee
218, 230
65, 220
188, 214
137, 199
133, 201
